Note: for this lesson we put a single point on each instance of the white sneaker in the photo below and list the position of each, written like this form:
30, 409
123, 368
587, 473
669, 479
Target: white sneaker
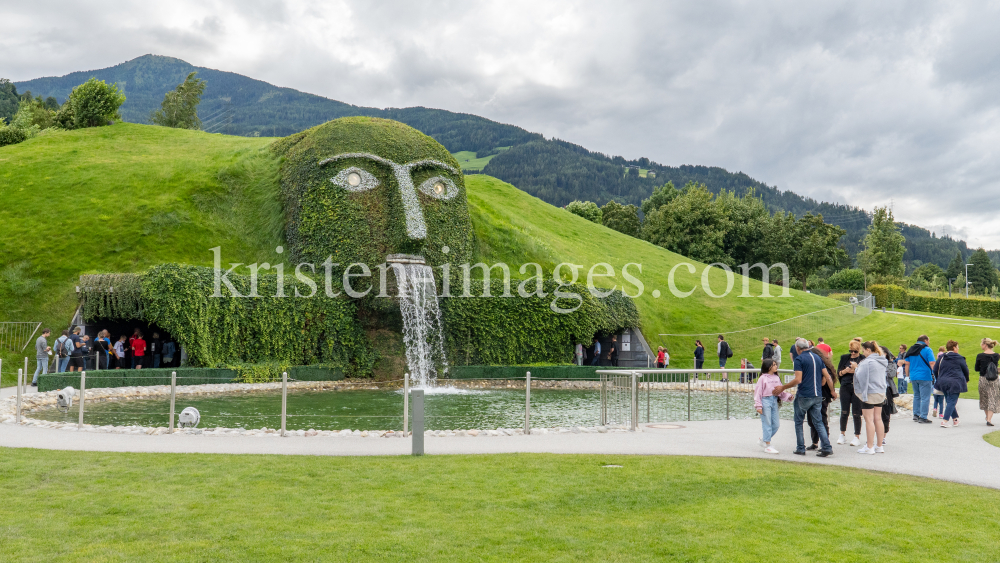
760, 442
842, 440
856, 441
866, 450
770, 450
879, 450
884, 440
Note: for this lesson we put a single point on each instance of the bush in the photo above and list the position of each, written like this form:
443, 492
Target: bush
95, 103
850, 278
11, 135
889, 296
586, 209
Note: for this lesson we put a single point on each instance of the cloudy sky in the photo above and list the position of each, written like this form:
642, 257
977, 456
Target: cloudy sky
861, 103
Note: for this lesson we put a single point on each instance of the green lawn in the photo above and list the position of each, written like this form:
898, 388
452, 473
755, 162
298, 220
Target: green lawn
993, 438
82, 506
468, 160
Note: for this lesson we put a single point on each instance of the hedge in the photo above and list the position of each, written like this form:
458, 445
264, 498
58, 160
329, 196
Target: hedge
161, 376
892, 295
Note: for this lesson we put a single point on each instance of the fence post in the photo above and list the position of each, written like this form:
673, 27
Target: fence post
406, 403
649, 392
284, 400
25, 384
83, 390
727, 395
173, 397
635, 401
527, 403
604, 400
418, 422
19, 376
689, 397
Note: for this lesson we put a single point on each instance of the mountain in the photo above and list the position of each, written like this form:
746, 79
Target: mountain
553, 170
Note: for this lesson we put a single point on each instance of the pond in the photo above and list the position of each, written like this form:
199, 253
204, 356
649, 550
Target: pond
383, 409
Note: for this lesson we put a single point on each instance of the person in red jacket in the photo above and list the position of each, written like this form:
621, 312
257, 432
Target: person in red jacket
138, 350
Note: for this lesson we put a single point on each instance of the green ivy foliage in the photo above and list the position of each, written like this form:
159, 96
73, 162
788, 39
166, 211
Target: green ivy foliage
325, 220
217, 331
515, 331
112, 296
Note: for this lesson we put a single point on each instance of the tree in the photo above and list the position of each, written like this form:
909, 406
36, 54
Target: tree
882, 257
982, 274
956, 267
848, 278
586, 209
180, 107
95, 103
621, 218
661, 196
9, 100
32, 113
690, 225
748, 219
927, 272
804, 245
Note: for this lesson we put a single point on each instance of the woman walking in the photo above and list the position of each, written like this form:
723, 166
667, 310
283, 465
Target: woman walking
989, 390
938, 395
850, 405
767, 404
869, 386
952, 380
699, 355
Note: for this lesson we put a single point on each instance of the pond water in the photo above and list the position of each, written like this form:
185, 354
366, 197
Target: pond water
383, 409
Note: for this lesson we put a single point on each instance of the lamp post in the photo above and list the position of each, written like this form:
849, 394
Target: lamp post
967, 280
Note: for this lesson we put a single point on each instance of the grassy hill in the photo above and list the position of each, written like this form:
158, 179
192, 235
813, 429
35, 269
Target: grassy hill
122, 198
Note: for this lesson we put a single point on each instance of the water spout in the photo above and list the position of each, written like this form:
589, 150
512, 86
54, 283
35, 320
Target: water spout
423, 335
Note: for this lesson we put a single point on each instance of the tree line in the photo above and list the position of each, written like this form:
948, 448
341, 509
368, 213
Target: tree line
91, 104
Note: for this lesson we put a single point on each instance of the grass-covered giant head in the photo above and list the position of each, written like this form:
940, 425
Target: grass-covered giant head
359, 189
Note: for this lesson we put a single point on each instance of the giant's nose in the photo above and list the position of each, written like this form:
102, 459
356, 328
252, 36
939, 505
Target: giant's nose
416, 229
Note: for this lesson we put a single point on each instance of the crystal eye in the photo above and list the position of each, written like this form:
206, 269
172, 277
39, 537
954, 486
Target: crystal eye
439, 187
355, 179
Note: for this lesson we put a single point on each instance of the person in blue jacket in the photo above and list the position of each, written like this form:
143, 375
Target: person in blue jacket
921, 360
699, 354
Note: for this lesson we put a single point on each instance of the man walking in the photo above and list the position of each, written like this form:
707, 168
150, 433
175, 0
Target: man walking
613, 352
724, 351
42, 351
768, 351
921, 361
809, 375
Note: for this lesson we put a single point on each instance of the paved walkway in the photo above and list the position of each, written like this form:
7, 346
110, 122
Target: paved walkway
954, 454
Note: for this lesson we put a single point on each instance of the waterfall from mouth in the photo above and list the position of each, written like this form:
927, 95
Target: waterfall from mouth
422, 330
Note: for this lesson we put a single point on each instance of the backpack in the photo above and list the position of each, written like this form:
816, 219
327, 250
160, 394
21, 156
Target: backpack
67, 347
991, 371
729, 350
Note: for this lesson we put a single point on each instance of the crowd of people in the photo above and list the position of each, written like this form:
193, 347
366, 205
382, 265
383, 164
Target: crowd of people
870, 379
76, 351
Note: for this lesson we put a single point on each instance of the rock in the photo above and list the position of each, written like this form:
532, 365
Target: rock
311, 433
473, 433
345, 432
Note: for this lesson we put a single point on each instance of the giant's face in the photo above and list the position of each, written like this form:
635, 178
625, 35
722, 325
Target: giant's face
360, 189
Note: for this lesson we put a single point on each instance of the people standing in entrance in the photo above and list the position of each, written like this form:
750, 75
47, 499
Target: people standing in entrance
829, 394
767, 403
155, 348
85, 350
699, 355
577, 352
768, 351
63, 348
869, 386
76, 360
42, 353
776, 352
138, 351
724, 351
597, 352
921, 365
120, 352
661, 358
902, 371
809, 373
952, 380
850, 404
989, 383
169, 348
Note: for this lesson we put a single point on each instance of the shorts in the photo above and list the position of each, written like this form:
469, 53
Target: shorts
879, 399
78, 362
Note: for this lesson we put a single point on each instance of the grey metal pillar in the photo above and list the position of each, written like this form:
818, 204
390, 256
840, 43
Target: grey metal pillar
418, 422
635, 401
284, 400
604, 400
527, 403
83, 391
689, 397
20, 375
173, 397
727, 396
406, 403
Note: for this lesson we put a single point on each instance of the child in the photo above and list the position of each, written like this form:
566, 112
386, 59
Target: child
120, 352
767, 404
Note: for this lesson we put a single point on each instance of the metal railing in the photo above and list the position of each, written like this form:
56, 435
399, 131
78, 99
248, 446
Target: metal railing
629, 397
15, 336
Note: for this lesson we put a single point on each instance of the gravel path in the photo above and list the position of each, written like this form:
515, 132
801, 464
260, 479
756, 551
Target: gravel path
954, 454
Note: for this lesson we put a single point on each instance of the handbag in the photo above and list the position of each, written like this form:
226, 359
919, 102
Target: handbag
991, 371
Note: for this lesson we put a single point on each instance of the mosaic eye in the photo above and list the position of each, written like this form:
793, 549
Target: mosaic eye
355, 179
439, 187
